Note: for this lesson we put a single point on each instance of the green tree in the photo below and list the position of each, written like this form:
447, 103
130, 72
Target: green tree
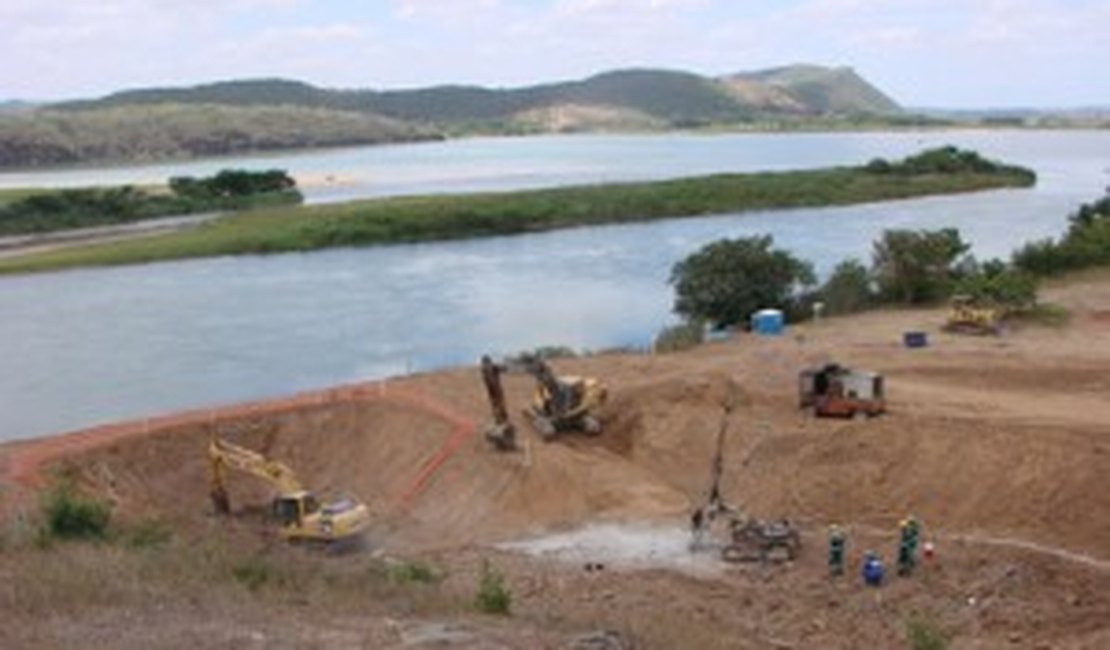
916, 266
998, 284
848, 289
727, 280
1086, 243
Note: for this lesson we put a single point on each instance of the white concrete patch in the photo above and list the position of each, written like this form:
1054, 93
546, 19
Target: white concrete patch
630, 546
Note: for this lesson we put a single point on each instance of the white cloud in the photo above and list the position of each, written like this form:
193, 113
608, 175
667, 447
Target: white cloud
922, 51
444, 9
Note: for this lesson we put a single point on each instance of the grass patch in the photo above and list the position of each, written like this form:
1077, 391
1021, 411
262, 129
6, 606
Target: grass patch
411, 573
1045, 314
493, 597
10, 195
253, 572
146, 535
68, 515
427, 218
925, 634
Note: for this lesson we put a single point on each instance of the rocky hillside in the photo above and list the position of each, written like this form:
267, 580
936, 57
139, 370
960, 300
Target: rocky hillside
810, 89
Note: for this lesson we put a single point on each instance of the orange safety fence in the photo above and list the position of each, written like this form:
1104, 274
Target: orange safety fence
24, 460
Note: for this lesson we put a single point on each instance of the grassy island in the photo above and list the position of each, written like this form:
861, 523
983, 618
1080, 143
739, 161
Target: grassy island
412, 219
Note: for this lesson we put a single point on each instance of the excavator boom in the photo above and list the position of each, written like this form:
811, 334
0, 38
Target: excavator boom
502, 433
252, 462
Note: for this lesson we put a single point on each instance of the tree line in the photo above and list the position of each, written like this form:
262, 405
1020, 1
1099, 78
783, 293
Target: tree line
726, 281
230, 189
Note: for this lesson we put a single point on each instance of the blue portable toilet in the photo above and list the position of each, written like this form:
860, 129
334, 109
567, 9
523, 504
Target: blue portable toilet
767, 322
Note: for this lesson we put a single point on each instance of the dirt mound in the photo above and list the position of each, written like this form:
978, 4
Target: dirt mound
412, 451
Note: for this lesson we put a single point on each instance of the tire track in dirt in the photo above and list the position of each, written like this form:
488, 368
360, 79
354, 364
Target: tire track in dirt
1005, 542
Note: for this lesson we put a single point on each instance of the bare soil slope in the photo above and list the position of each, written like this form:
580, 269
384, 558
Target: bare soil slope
1000, 445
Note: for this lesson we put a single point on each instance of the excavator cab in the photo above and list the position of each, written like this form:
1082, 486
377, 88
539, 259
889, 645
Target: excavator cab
291, 510
568, 404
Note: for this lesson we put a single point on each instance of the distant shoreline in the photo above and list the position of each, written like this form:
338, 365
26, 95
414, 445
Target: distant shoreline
817, 126
461, 216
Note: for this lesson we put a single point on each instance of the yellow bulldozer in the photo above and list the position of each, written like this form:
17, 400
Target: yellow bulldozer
301, 515
967, 315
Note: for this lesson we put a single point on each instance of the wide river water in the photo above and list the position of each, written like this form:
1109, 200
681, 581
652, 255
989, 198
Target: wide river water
92, 346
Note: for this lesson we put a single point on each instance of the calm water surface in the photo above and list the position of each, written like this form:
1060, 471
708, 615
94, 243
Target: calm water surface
86, 347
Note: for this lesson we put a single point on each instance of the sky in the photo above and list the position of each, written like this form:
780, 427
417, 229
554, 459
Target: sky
933, 53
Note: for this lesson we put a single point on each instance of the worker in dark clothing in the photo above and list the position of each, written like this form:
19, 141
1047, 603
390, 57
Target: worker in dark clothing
907, 545
837, 543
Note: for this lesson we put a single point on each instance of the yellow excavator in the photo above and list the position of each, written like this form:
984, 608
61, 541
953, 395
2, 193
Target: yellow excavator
560, 403
303, 518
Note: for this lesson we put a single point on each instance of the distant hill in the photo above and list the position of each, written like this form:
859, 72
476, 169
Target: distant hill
677, 97
818, 90
223, 117
158, 132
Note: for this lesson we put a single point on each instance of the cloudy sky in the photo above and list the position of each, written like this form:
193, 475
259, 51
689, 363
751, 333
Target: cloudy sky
953, 53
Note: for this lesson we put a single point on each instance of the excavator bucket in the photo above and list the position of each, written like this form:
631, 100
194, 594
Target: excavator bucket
502, 436
220, 501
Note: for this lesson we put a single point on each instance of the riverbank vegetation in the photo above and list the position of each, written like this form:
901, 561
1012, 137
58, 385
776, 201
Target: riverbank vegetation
1085, 244
414, 219
714, 286
56, 210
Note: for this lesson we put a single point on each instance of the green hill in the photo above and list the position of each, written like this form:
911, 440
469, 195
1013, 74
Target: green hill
674, 96
231, 117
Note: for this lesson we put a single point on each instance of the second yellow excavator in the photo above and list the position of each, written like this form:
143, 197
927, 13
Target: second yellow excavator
301, 515
560, 403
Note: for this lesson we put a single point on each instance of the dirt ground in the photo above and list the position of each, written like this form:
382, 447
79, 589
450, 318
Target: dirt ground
1000, 446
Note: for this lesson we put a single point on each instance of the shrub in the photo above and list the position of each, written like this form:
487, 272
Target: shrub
69, 515
554, 352
253, 573
848, 289
1011, 289
682, 336
409, 572
1086, 243
493, 596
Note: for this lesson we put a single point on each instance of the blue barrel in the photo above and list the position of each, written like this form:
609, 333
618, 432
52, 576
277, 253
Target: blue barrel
915, 339
873, 572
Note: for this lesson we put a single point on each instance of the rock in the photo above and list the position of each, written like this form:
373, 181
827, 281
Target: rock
601, 640
415, 635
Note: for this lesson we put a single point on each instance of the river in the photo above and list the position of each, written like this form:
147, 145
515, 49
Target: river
91, 346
